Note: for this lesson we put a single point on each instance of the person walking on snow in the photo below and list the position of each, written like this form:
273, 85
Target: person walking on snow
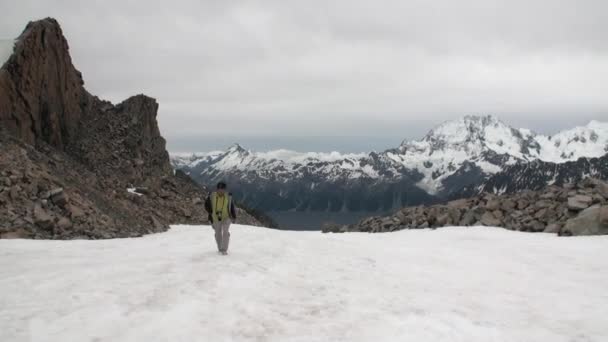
221, 211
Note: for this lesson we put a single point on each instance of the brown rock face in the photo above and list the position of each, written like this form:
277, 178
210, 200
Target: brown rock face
42, 99
41, 93
123, 139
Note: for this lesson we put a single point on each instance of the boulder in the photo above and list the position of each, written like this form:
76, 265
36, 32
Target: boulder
553, 228
587, 222
468, 219
548, 196
493, 204
542, 204
402, 216
488, 219
186, 212
142, 190
522, 204
604, 215
164, 194
535, 226
443, 220
454, 215
41, 218
15, 191
498, 214
516, 214
135, 197
459, 203
55, 191
579, 202
508, 205
330, 227
75, 211
58, 197
16, 234
64, 223
602, 189
156, 224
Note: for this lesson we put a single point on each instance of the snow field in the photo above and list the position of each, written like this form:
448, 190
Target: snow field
451, 284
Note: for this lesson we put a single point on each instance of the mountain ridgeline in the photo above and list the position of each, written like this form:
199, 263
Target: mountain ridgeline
456, 159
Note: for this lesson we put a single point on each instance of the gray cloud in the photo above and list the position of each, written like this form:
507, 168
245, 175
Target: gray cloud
346, 68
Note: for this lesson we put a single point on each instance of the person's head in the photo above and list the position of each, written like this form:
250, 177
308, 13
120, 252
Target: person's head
221, 187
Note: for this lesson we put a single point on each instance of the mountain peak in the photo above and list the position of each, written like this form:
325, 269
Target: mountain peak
484, 119
47, 22
236, 149
465, 130
39, 70
469, 124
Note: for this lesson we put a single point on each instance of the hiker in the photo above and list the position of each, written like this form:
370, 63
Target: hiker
221, 211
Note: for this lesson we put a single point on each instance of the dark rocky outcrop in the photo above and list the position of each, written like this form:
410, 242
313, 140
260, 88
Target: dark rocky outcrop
75, 166
572, 209
43, 100
41, 93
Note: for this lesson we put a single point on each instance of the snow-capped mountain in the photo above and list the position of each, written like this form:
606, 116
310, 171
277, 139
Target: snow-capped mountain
451, 160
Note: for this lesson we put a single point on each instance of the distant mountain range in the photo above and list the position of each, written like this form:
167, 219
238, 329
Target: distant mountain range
455, 159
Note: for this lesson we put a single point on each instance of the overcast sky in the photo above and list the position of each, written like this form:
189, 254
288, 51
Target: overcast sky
369, 73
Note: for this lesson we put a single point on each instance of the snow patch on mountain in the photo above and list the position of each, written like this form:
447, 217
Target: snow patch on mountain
569, 145
293, 157
192, 159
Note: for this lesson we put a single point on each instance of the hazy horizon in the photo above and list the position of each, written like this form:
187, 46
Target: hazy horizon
339, 143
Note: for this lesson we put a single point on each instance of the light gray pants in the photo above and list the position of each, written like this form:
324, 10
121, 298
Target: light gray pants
222, 234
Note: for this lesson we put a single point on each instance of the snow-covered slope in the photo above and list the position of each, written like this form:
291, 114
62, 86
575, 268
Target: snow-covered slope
191, 160
453, 284
586, 141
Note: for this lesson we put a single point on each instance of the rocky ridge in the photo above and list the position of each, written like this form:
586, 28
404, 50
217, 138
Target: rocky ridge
572, 209
75, 166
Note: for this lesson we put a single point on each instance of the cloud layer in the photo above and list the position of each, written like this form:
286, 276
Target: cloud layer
347, 68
